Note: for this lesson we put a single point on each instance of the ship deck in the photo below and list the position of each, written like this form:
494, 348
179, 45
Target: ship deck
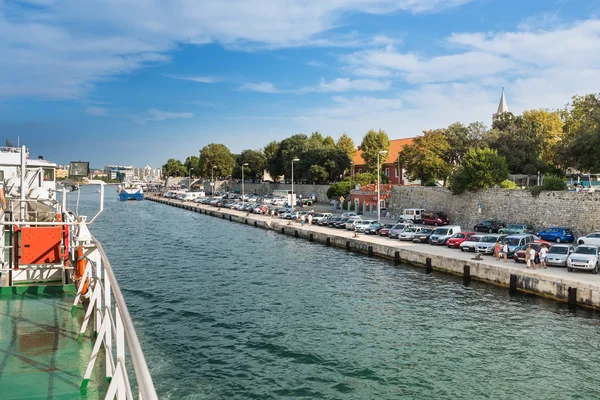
40, 357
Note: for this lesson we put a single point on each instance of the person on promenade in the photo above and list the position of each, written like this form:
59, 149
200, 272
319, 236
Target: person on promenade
542, 254
527, 259
531, 261
309, 219
302, 218
497, 249
504, 251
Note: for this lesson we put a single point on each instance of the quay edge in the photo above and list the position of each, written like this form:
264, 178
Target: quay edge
577, 289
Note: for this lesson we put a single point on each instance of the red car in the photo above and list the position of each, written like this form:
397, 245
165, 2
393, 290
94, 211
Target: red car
385, 230
456, 239
434, 218
520, 252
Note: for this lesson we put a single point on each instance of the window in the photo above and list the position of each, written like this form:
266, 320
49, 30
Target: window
48, 174
360, 170
396, 168
387, 172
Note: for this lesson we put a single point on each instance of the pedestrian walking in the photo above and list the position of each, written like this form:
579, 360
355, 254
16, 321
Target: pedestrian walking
542, 254
310, 219
302, 220
531, 261
504, 252
497, 249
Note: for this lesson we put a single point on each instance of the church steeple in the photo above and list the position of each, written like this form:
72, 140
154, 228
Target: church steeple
502, 107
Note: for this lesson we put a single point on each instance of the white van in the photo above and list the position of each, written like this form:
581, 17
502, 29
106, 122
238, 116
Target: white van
412, 215
191, 196
442, 234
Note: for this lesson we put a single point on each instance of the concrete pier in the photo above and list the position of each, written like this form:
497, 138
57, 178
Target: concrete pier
575, 288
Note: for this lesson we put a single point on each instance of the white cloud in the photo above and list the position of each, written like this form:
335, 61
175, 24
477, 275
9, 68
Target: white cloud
158, 115
96, 111
346, 84
263, 87
197, 79
60, 49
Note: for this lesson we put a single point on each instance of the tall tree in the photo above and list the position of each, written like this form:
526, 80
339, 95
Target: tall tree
270, 151
372, 143
424, 158
257, 163
550, 130
174, 167
347, 144
192, 165
480, 169
289, 149
316, 139
216, 154
519, 141
328, 142
580, 146
461, 138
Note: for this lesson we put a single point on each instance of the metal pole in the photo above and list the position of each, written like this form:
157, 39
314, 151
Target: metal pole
242, 185
293, 199
378, 211
212, 179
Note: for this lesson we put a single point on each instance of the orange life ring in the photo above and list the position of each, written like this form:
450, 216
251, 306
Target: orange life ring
80, 264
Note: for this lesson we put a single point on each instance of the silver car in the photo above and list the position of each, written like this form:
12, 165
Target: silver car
558, 254
409, 233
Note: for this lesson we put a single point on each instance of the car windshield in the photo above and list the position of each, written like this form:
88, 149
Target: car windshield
426, 230
559, 250
399, 226
475, 239
458, 235
511, 241
585, 250
388, 226
488, 239
408, 230
514, 226
441, 232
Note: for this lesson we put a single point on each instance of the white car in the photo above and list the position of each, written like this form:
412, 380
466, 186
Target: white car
592, 239
362, 225
585, 257
321, 216
441, 235
409, 233
558, 254
351, 224
469, 245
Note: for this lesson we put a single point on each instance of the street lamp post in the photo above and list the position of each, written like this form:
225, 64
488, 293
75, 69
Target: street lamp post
212, 173
352, 170
190, 180
244, 164
378, 183
293, 198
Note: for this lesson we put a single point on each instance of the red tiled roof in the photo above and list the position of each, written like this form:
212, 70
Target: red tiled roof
396, 147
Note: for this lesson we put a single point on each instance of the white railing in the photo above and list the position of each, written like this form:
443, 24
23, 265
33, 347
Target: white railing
113, 327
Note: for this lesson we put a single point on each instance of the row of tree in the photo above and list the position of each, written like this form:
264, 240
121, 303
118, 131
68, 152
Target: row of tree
466, 156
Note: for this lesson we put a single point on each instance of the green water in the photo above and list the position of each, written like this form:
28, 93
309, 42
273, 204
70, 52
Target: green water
226, 311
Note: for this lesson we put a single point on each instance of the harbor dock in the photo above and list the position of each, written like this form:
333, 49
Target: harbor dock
575, 288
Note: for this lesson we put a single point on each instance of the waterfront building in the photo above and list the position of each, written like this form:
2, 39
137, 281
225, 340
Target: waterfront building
502, 107
148, 173
390, 167
62, 172
124, 172
367, 195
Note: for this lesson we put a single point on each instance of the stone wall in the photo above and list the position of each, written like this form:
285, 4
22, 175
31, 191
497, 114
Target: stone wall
579, 211
320, 191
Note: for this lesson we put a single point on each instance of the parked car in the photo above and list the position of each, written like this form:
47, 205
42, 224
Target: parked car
423, 235
341, 224
558, 254
349, 214
409, 233
489, 226
592, 239
331, 223
434, 218
515, 241
412, 215
520, 253
385, 230
362, 225
319, 216
469, 244
585, 257
458, 238
557, 234
487, 242
397, 230
352, 222
441, 235
513, 229
375, 228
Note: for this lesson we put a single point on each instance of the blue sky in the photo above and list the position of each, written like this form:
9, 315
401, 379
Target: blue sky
138, 82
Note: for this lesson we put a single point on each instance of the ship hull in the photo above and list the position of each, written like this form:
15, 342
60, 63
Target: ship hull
125, 195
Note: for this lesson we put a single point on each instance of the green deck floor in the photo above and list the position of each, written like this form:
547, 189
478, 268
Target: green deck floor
40, 357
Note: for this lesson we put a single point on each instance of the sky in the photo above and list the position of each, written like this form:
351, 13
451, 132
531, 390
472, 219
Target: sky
141, 81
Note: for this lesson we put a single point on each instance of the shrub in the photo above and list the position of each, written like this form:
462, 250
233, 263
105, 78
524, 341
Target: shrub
340, 189
508, 184
553, 182
536, 190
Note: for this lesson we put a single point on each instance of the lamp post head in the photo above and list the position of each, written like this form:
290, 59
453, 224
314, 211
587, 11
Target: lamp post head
295, 159
245, 164
383, 152
214, 166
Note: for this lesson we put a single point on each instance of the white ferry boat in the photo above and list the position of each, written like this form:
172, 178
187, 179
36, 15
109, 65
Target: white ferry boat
65, 330
131, 191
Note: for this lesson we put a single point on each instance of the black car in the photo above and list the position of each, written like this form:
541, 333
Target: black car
374, 229
325, 221
423, 235
341, 224
490, 226
331, 223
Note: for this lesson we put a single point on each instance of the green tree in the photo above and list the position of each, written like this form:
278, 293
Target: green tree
346, 144
520, 142
580, 145
424, 158
174, 167
480, 169
365, 178
192, 165
270, 151
340, 189
328, 142
288, 149
551, 131
318, 174
218, 155
257, 163
461, 138
316, 139
372, 143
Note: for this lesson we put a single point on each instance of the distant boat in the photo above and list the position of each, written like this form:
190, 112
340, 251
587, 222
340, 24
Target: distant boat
74, 187
131, 191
